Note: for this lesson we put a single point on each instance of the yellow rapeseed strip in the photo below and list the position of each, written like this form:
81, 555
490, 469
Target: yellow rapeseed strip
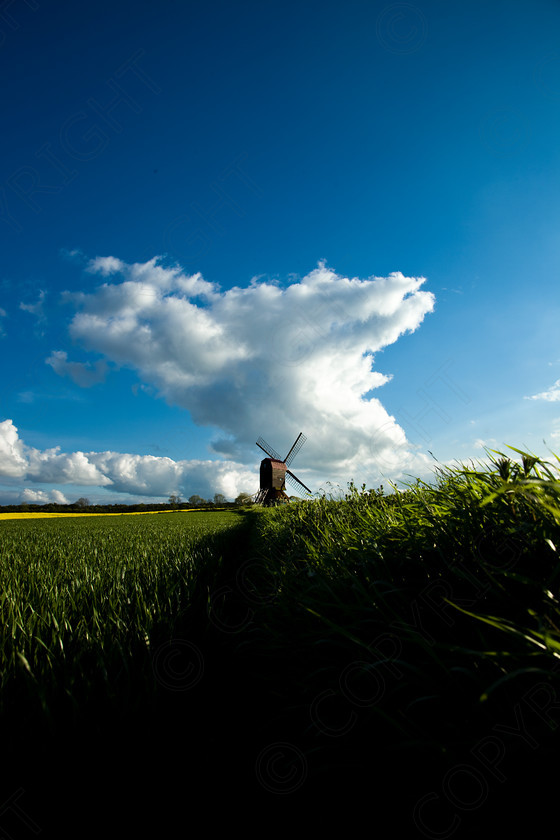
49, 515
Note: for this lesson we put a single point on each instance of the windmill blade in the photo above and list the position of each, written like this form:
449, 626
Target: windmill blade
262, 444
300, 440
294, 481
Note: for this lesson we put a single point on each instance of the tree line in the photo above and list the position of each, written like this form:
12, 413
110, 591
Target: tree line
84, 505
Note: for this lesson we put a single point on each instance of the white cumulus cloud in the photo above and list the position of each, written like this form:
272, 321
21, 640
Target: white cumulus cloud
139, 475
19, 461
263, 359
13, 462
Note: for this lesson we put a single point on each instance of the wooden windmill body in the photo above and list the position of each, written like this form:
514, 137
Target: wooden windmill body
274, 474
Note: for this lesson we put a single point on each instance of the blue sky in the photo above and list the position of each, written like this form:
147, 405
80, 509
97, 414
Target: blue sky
226, 220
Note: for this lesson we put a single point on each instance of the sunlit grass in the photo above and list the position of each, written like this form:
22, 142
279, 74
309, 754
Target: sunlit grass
84, 600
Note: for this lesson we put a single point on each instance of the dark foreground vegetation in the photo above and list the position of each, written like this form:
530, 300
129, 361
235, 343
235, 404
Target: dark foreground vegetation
393, 658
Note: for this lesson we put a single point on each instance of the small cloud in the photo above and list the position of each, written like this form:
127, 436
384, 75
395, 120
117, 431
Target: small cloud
484, 444
34, 397
37, 307
552, 395
83, 374
105, 266
43, 496
74, 255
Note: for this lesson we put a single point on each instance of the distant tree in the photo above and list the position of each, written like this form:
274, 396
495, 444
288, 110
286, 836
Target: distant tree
196, 500
219, 499
244, 499
82, 502
174, 499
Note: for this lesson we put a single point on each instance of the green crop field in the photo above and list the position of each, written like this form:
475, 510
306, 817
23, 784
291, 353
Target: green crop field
85, 598
389, 653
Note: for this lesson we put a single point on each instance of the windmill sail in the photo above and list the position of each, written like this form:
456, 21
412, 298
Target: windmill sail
295, 483
300, 440
272, 453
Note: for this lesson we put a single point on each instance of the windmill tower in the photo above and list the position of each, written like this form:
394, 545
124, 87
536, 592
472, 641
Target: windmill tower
275, 473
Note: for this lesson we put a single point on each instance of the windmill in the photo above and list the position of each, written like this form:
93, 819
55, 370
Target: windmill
275, 473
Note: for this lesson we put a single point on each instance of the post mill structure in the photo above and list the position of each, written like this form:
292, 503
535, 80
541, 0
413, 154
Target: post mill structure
275, 473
